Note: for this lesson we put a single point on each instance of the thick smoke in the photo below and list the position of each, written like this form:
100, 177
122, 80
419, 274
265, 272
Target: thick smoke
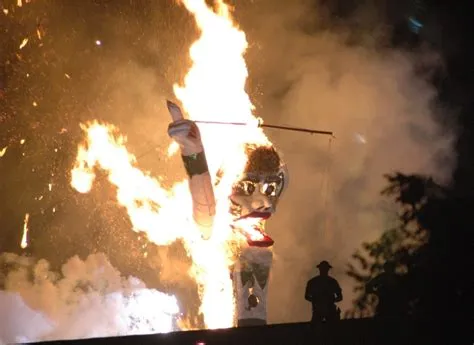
382, 114
87, 299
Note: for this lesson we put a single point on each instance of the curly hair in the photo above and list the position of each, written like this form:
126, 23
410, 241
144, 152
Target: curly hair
262, 159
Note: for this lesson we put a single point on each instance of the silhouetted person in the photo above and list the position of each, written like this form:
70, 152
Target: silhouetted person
323, 292
388, 290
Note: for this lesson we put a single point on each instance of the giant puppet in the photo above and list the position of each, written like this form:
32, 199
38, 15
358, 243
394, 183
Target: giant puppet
254, 197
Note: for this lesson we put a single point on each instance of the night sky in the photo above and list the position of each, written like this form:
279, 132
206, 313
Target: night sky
66, 74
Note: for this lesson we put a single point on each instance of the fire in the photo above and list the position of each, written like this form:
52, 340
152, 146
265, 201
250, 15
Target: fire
213, 89
151, 208
24, 238
253, 227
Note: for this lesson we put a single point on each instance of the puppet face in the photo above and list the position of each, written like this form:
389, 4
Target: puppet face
257, 193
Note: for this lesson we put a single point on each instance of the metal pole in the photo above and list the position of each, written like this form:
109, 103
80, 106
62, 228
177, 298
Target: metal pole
287, 128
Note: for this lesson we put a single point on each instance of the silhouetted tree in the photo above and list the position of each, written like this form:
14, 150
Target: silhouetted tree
432, 248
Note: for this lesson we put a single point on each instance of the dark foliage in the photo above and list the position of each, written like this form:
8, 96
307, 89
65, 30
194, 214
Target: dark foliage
432, 248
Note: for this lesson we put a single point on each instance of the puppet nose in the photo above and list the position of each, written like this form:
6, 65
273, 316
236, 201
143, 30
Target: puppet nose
262, 204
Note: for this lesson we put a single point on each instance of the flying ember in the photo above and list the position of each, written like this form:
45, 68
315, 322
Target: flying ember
24, 238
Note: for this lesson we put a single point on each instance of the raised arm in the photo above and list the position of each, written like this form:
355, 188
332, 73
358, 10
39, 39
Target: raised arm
186, 134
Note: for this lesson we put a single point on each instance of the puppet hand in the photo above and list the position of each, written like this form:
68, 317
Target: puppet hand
186, 134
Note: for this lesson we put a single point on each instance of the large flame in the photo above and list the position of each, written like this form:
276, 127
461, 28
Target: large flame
214, 89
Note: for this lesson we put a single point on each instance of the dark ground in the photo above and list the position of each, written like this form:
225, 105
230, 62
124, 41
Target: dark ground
361, 331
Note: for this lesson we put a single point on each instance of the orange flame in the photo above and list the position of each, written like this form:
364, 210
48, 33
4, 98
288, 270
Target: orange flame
214, 89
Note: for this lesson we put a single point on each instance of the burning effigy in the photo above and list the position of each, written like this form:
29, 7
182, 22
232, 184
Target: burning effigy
235, 177
253, 199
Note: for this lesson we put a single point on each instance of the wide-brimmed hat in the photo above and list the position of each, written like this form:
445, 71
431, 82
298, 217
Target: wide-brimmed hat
324, 264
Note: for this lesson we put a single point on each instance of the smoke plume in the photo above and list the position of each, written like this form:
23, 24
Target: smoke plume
86, 299
306, 72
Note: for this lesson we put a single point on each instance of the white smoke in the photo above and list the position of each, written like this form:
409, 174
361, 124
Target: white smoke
88, 299
383, 112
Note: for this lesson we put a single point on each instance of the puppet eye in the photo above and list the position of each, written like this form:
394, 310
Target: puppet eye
245, 187
269, 189
249, 187
274, 187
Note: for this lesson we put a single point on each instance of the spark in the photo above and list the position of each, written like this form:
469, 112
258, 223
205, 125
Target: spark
35, 104
22, 141
38, 34
50, 186
24, 240
23, 43
98, 43
5, 11
67, 76
19, 3
360, 138
3, 151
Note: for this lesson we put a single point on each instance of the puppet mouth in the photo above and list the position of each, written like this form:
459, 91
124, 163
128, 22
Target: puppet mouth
254, 221
255, 214
252, 226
